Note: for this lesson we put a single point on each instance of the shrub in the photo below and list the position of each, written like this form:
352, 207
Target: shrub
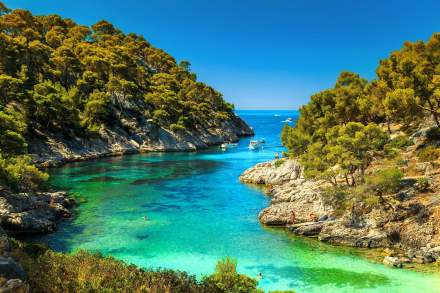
433, 134
339, 196
423, 184
429, 153
228, 280
91, 272
400, 142
385, 180
177, 128
278, 163
83, 271
20, 175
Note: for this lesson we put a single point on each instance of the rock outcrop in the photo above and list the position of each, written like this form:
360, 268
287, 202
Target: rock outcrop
408, 227
33, 213
52, 149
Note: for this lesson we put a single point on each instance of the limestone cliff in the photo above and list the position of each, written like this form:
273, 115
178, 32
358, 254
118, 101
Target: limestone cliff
131, 136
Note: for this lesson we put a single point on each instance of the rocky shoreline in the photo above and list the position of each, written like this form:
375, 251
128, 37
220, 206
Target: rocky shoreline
408, 232
52, 149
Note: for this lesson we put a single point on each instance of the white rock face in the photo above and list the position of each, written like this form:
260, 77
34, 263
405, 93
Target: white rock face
290, 193
50, 149
409, 226
269, 173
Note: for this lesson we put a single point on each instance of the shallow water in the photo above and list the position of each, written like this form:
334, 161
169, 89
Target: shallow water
199, 213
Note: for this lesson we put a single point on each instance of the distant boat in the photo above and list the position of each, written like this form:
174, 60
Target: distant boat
288, 120
254, 145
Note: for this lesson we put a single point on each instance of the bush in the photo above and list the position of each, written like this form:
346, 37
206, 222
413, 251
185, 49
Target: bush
278, 163
385, 180
400, 142
423, 184
91, 272
83, 271
228, 280
428, 154
20, 175
341, 197
433, 134
177, 128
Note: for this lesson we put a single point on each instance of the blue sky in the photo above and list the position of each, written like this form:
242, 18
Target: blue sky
270, 54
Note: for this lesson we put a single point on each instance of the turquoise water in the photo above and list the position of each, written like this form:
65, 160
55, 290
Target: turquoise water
199, 213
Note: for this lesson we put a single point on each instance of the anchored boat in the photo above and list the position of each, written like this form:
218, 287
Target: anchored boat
254, 145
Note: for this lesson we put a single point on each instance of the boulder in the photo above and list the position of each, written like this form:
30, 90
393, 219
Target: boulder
21, 213
9, 269
392, 261
14, 286
307, 229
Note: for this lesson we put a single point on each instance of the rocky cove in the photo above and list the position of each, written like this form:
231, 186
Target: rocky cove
132, 136
408, 232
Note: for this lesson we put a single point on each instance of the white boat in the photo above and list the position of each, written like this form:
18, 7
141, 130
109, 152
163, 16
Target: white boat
254, 145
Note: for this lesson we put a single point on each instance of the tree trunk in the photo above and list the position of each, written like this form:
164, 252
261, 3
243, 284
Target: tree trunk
353, 181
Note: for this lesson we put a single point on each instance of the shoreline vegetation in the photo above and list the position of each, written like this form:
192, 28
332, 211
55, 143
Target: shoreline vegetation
362, 164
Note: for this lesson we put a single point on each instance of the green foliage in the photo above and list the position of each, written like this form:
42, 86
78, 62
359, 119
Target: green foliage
400, 142
87, 272
229, 280
278, 163
423, 184
338, 135
12, 129
347, 149
64, 79
410, 81
368, 194
385, 180
83, 271
433, 134
429, 154
19, 174
177, 127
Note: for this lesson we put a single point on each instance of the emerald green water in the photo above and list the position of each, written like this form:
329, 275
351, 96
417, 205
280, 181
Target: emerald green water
199, 213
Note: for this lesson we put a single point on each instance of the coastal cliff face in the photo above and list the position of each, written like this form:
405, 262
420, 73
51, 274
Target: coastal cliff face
52, 149
407, 229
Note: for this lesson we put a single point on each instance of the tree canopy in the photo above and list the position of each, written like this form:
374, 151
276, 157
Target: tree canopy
338, 134
57, 76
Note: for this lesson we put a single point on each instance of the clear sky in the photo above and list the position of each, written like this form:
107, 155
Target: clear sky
263, 54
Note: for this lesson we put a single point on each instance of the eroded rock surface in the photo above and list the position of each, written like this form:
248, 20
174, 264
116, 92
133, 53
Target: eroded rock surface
51, 149
33, 213
409, 227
